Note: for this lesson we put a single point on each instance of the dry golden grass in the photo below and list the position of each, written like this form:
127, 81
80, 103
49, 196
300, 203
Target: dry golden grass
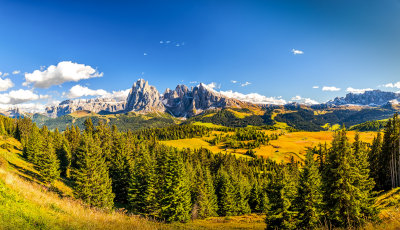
288, 145
250, 221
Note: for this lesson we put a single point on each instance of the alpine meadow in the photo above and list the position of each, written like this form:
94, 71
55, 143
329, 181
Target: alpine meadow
173, 114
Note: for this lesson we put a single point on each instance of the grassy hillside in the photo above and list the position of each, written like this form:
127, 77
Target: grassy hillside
25, 203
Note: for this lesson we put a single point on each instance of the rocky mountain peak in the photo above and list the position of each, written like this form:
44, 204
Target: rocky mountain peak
371, 98
144, 98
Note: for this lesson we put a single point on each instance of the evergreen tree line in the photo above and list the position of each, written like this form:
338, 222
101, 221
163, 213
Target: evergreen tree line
107, 167
385, 156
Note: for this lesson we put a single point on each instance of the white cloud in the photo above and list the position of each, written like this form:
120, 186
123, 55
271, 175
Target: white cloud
5, 74
1, 73
315, 87
357, 91
64, 71
16, 72
330, 88
144, 54
301, 100
253, 98
234, 82
5, 84
81, 91
120, 95
20, 96
193, 82
393, 85
245, 84
212, 85
295, 52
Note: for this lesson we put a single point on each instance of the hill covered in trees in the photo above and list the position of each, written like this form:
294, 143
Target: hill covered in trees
106, 168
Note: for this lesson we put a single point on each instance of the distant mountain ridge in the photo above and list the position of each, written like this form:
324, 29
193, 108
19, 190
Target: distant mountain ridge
369, 98
188, 102
144, 98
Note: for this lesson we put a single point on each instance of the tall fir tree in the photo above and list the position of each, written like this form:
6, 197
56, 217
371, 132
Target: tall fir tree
226, 194
309, 196
91, 177
142, 192
48, 164
374, 158
33, 145
206, 199
344, 191
174, 194
65, 156
2, 128
280, 214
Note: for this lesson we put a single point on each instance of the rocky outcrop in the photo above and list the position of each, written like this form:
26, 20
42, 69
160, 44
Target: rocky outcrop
95, 105
144, 98
370, 98
183, 102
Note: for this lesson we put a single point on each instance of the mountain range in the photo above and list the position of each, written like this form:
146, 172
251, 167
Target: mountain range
188, 102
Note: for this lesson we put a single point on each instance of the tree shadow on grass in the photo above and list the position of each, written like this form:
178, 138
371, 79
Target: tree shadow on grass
26, 172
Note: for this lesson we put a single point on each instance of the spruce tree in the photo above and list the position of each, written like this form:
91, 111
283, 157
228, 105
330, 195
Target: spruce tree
363, 181
346, 183
206, 198
280, 214
226, 194
33, 145
119, 167
142, 185
48, 164
65, 156
91, 177
309, 196
258, 201
374, 159
175, 200
2, 128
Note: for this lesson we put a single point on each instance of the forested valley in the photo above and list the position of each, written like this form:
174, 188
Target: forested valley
335, 186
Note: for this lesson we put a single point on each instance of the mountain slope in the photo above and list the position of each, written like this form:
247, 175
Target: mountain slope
26, 204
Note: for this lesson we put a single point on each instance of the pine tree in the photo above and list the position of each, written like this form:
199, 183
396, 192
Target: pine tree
142, 185
242, 195
2, 128
226, 194
119, 167
258, 200
92, 182
363, 181
309, 197
280, 214
175, 200
374, 159
48, 164
346, 183
33, 145
89, 127
206, 199
65, 156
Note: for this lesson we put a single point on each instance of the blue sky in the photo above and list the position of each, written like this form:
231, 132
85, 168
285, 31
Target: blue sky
281, 48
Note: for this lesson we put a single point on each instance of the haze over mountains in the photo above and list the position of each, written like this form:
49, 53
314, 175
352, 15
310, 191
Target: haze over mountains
187, 102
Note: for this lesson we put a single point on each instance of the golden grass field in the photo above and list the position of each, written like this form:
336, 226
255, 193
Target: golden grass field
289, 144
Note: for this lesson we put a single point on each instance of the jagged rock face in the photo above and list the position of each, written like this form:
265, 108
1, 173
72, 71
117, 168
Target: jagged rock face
95, 105
183, 102
11, 112
372, 98
144, 98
